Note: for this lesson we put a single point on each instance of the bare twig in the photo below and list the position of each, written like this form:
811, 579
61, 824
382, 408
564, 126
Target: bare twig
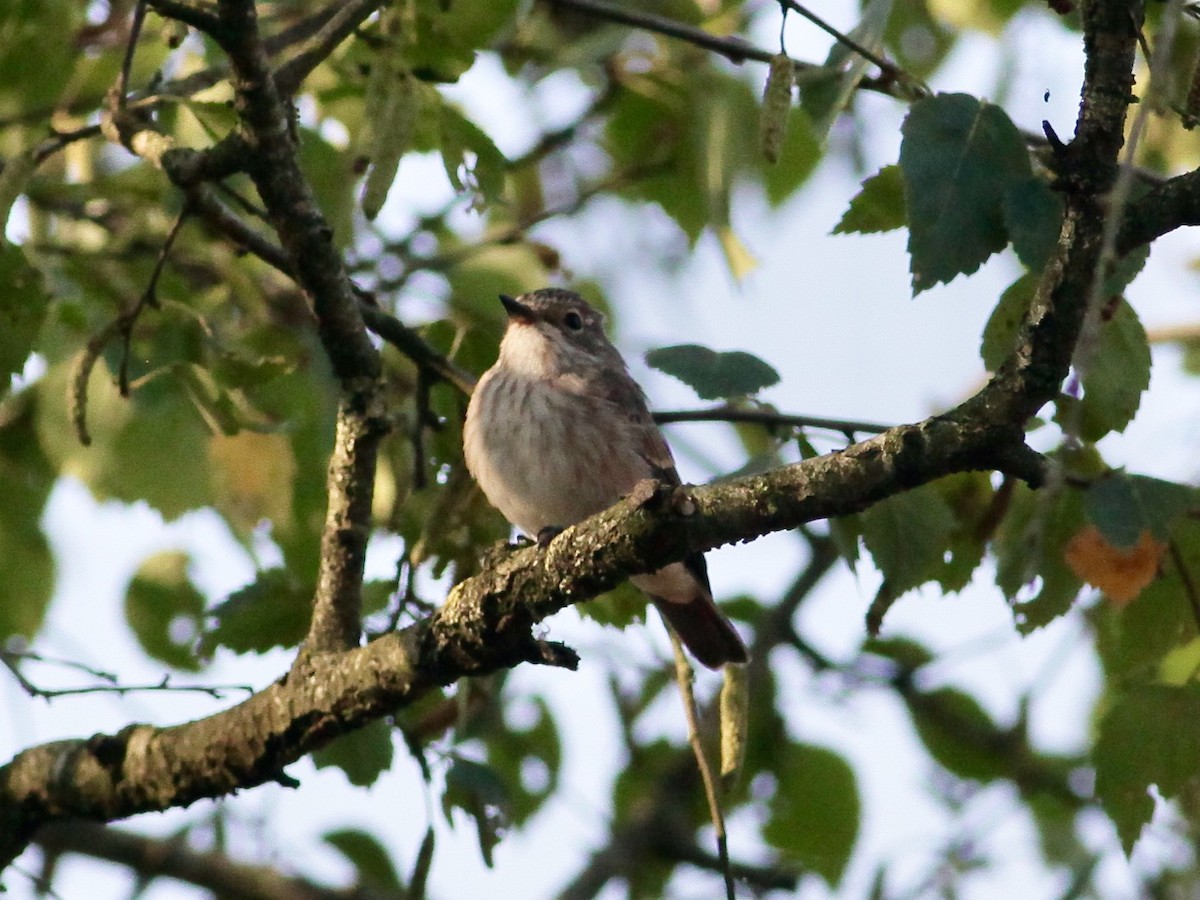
768, 418
683, 677
886, 66
344, 22
10, 661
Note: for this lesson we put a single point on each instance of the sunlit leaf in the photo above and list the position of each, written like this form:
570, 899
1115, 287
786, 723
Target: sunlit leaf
879, 206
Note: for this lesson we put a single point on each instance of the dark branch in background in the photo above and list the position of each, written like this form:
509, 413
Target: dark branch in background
154, 858
733, 49
340, 26
886, 66
1170, 205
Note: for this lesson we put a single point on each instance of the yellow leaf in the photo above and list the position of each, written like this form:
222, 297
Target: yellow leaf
740, 260
253, 475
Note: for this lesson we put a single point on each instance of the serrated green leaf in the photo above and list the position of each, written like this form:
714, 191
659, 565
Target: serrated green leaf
907, 536
274, 611
1133, 639
1123, 506
520, 756
714, 375
363, 754
368, 856
1000, 332
879, 206
477, 790
1150, 735
23, 305
958, 156
815, 812
1116, 375
1033, 215
473, 163
165, 610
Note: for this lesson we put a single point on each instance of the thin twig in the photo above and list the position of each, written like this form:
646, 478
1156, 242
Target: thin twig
216, 691
887, 67
1189, 584
768, 418
149, 298
135, 32
683, 677
345, 21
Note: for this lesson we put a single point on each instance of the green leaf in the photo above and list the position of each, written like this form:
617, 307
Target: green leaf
714, 375
1029, 548
907, 536
825, 98
370, 857
621, 607
814, 814
958, 156
1133, 639
165, 610
363, 754
958, 733
274, 611
1117, 372
521, 756
1033, 215
26, 478
1122, 506
477, 790
1000, 332
1149, 736
879, 206
473, 163
23, 305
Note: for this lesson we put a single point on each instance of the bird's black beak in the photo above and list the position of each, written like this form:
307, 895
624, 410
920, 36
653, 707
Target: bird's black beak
517, 311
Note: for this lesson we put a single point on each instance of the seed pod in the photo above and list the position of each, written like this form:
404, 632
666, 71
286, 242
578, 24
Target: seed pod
735, 713
777, 102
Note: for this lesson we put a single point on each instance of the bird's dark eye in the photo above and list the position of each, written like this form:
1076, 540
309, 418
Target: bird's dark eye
573, 320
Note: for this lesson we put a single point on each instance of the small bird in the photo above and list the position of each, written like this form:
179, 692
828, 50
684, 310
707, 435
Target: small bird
558, 430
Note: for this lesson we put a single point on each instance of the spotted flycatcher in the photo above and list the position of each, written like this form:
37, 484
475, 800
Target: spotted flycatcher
558, 430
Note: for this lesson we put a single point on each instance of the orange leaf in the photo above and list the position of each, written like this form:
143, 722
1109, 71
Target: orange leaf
1121, 573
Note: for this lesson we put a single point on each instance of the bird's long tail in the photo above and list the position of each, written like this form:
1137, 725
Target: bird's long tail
704, 630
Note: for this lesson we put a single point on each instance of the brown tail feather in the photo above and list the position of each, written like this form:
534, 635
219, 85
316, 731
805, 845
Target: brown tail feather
704, 631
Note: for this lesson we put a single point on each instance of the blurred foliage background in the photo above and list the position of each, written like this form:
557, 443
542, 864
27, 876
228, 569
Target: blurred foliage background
150, 358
